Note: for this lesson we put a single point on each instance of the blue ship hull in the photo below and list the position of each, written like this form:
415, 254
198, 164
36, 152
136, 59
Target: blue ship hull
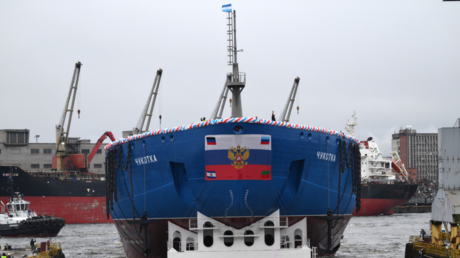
163, 175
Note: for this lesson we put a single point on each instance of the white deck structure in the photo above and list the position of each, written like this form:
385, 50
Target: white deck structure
268, 237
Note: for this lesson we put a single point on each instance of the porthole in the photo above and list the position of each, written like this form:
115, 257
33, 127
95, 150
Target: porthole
327, 139
143, 143
171, 138
301, 135
249, 239
208, 241
238, 129
132, 146
163, 139
228, 238
269, 239
309, 136
269, 233
337, 141
208, 237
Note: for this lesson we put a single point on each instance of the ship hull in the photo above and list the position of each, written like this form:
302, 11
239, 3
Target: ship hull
157, 238
77, 201
169, 179
382, 198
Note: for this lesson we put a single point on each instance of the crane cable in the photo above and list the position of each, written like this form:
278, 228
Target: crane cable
79, 99
161, 101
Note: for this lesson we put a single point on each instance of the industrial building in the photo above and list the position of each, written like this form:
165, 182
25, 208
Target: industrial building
418, 151
17, 150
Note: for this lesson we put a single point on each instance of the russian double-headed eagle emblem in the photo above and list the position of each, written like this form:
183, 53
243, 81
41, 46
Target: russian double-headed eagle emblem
238, 156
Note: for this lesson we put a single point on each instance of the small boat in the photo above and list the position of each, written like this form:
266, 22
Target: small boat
19, 221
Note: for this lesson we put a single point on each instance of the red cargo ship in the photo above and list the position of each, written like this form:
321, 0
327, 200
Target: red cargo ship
76, 197
385, 183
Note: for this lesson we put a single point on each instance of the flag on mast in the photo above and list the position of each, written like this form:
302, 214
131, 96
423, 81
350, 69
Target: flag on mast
227, 8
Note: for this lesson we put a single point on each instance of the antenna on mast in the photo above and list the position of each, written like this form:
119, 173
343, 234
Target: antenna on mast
351, 126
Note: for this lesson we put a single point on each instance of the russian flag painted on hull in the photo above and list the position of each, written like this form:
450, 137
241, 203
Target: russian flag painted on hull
238, 157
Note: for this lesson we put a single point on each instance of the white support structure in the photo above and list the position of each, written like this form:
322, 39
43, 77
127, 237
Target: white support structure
269, 237
286, 113
150, 102
220, 105
446, 204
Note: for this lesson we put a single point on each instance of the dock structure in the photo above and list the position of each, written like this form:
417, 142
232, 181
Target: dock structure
443, 239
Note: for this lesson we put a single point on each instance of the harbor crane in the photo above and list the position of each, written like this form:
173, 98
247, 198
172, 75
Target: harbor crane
150, 103
286, 114
99, 143
62, 133
64, 159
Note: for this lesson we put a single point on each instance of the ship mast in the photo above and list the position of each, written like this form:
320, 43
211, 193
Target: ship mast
351, 126
236, 80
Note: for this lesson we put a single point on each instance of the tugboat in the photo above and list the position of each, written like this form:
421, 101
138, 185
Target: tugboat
19, 221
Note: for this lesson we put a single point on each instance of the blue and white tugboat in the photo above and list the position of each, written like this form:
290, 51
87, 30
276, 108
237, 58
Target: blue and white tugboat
19, 221
239, 186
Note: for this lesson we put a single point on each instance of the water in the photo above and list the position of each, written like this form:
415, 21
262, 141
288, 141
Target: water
376, 236
381, 236
82, 240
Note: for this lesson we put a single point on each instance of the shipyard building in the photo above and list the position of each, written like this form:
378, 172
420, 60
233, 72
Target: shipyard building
418, 151
17, 150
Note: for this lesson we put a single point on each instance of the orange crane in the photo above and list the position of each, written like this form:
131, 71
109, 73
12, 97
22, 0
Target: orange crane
98, 144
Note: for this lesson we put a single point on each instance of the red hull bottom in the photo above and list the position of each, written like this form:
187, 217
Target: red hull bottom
74, 210
374, 207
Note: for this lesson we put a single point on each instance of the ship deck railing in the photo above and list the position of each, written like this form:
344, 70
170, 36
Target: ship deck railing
382, 181
241, 77
194, 225
314, 252
283, 223
190, 246
237, 236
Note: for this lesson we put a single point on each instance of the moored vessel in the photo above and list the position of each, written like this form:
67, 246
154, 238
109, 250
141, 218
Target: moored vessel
385, 183
76, 198
67, 185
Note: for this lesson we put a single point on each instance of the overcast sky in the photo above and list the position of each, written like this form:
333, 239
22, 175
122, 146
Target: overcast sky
395, 63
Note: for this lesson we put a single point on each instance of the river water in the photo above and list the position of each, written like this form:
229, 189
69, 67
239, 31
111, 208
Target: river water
381, 236
376, 236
